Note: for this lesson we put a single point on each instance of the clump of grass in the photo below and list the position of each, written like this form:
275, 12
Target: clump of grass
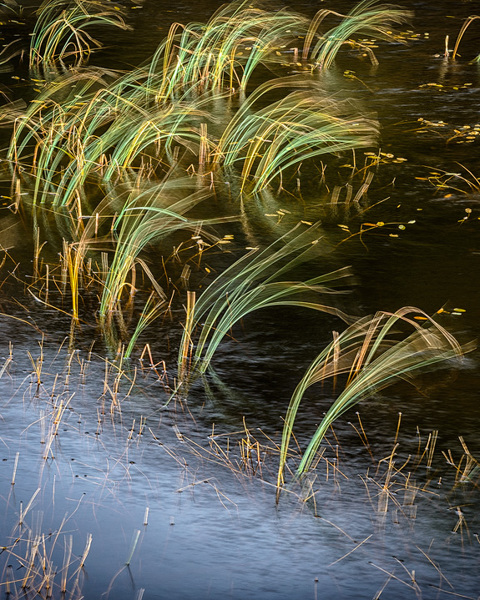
146, 217
92, 126
61, 31
92, 134
33, 554
250, 284
224, 52
371, 356
302, 125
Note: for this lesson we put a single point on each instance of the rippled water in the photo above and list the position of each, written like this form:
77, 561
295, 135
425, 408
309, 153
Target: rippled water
213, 529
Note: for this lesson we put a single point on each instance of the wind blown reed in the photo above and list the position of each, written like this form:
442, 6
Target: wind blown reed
372, 354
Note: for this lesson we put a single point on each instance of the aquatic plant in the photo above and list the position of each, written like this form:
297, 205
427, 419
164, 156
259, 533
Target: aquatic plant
302, 125
146, 217
367, 19
252, 283
61, 30
96, 129
83, 129
93, 125
152, 309
372, 356
224, 52
237, 38
461, 33
36, 553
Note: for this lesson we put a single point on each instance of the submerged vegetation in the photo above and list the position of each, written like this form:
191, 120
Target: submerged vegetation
225, 115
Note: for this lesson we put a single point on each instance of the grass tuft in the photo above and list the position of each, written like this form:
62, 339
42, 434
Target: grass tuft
371, 356
250, 284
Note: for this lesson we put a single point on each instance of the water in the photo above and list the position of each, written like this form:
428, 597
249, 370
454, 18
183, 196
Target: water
213, 530
102, 448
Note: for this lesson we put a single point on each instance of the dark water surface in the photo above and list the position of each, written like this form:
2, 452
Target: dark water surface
95, 458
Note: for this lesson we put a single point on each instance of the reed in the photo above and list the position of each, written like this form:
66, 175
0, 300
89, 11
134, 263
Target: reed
367, 19
93, 125
148, 216
114, 133
224, 52
152, 309
61, 31
252, 283
461, 33
305, 124
372, 357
